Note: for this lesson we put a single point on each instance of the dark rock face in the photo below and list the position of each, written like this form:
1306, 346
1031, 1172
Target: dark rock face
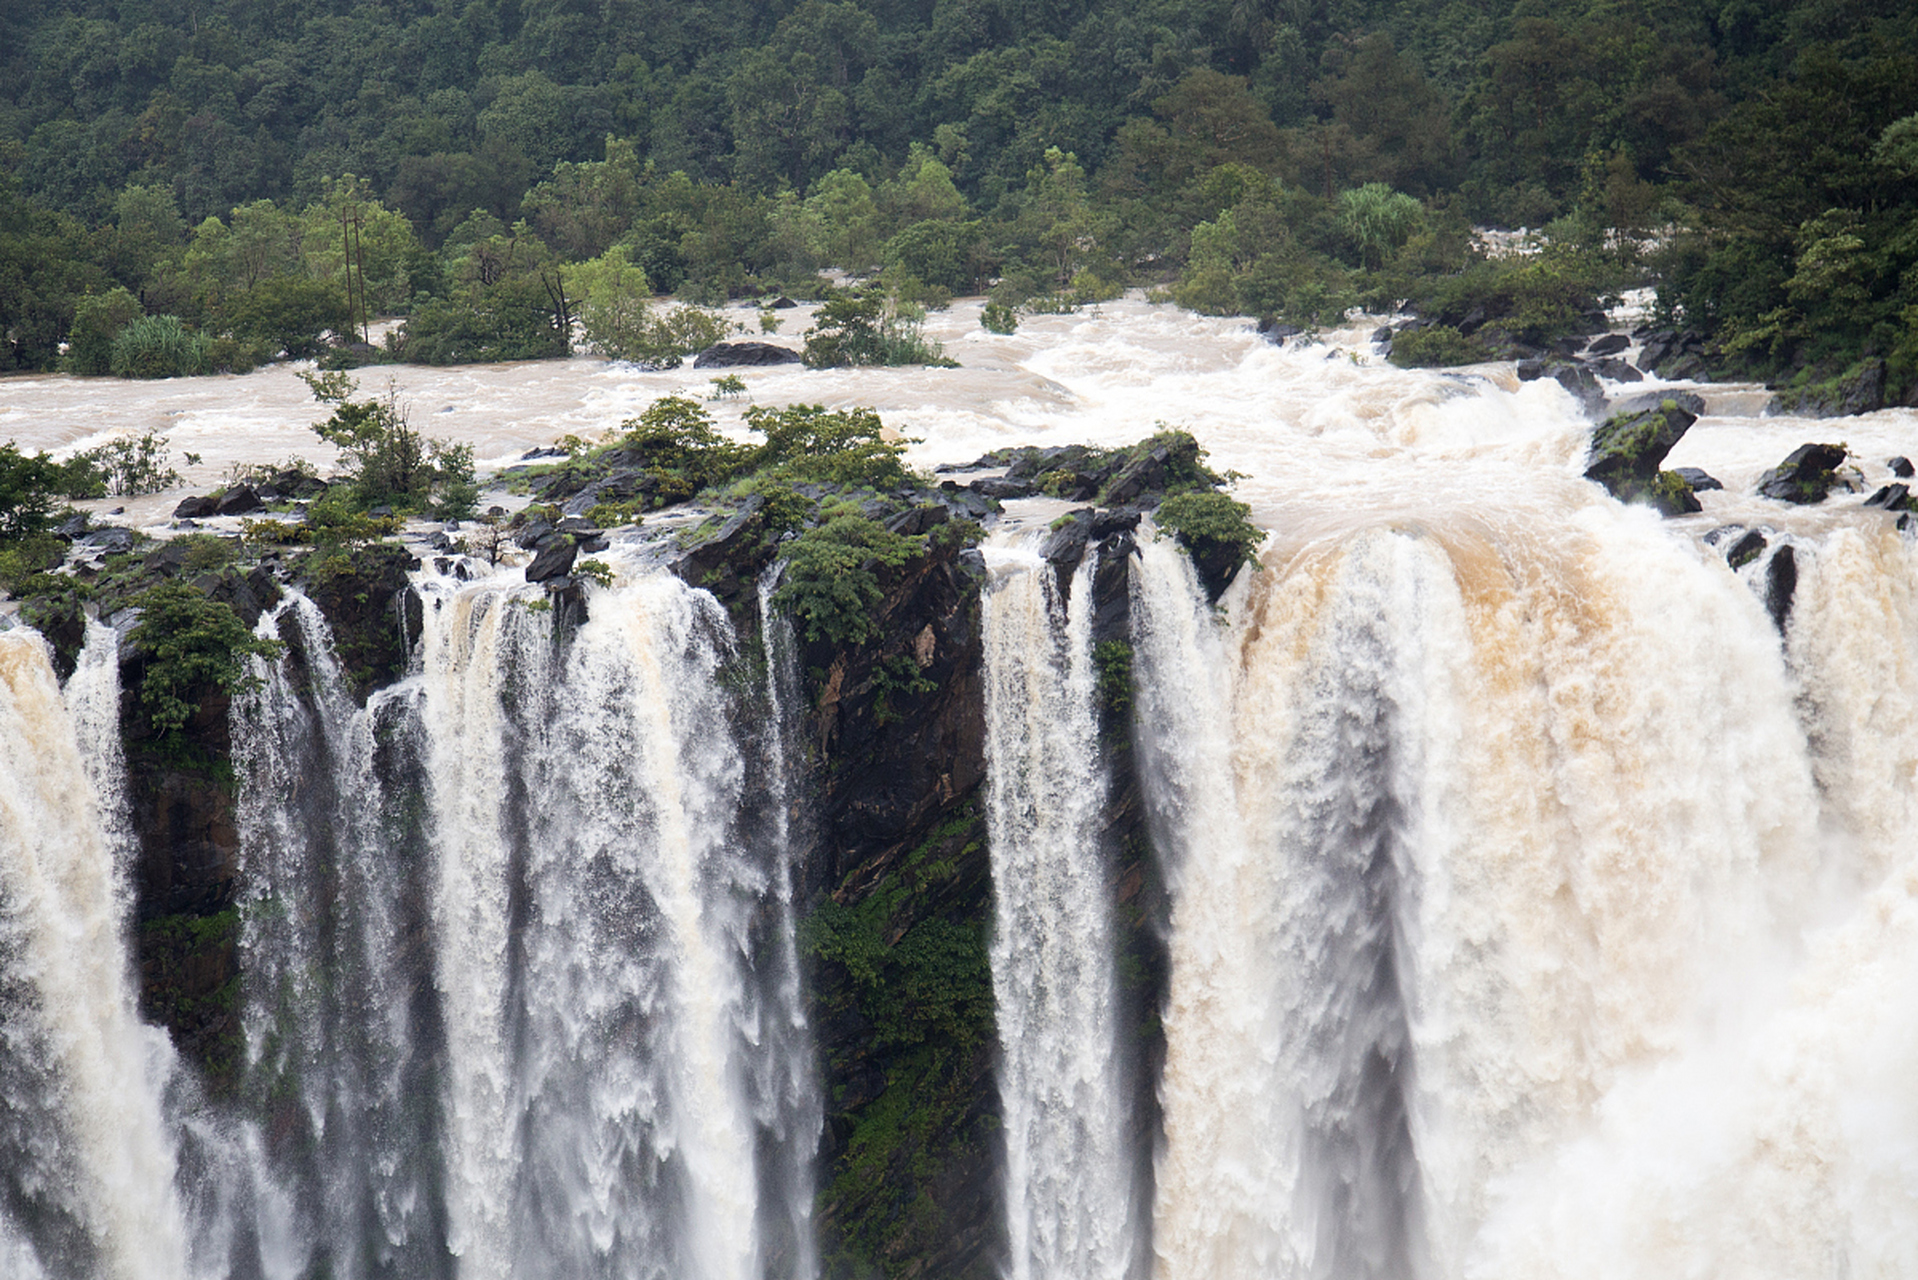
1805, 476
1900, 467
1276, 331
374, 613
1617, 371
197, 508
1746, 549
724, 563
554, 559
1859, 389
1675, 356
1690, 401
737, 355
1893, 497
1699, 479
1626, 451
240, 500
1781, 584
1574, 376
1609, 345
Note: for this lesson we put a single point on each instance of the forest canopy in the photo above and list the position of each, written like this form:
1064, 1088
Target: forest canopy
272, 176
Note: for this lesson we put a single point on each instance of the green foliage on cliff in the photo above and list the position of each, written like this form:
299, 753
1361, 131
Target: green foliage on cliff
1211, 524
831, 585
190, 984
910, 958
190, 645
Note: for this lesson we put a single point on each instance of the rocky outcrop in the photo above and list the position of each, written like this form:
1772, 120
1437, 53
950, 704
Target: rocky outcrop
1858, 389
1806, 476
1699, 479
1676, 356
1627, 449
553, 557
375, 615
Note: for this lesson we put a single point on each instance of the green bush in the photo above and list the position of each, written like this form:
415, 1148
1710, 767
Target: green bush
157, 347
831, 584
999, 318
841, 446
190, 644
97, 320
133, 465
1206, 521
1435, 346
388, 461
869, 328
30, 485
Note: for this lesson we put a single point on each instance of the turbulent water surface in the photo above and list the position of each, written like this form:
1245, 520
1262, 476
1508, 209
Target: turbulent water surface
1537, 908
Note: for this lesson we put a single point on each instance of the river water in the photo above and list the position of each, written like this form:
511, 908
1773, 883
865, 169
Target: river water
1539, 909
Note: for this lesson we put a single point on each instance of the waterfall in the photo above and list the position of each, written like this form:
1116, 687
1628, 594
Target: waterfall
1068, 1172
336, 1039
90, 1162
1500, 869
790, 1109
594, 908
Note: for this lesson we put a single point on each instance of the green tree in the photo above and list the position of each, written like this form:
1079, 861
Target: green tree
387, 460
189, 646
97, 320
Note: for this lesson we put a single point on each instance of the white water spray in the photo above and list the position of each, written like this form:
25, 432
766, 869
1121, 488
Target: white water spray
1068, 1172
92, 1161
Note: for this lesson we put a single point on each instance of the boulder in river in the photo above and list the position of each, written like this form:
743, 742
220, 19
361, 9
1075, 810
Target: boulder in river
737, 355
554, 559
1575, 376
1627, 449
1805, 476
240, 500
1699, 479
197, 507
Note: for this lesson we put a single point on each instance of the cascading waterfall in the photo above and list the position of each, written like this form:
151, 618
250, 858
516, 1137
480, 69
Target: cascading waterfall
1068, 1172
790, 1110
90, 1162
337, 1040
1485, 888
594, 906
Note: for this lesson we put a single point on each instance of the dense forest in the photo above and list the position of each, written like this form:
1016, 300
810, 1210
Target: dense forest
204, 184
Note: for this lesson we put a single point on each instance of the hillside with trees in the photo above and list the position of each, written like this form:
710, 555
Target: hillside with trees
272, 176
